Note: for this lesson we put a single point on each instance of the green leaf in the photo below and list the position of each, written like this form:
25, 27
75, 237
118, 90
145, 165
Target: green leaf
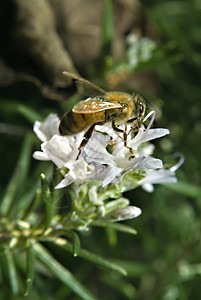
76, 243
32, 198
29, 202
46, 194
17, 180
25, 159
116, 226
94, 258
10, 192
185, 188
134, 269
61, 273
112, 236
12, 272
29, 114
98, 260
107, 30
123, 287
30, 269
10, 107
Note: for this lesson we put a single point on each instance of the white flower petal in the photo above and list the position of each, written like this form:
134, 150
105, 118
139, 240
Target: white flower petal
107, 128
146, 163
159, 176
58, 150
125, 213
65, 182
106, 174
46, 129
145, 136
147, 150
112, 173
95, 151
97, 174
40, 155
148, 187
120, 150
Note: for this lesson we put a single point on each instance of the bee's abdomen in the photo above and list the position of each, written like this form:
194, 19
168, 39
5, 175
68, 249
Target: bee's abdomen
73, 123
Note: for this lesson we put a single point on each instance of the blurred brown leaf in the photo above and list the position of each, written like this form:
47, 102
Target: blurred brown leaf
42, 38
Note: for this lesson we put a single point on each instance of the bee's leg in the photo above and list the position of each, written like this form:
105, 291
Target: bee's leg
117, 129
114, 126
86, 137
125, 141
135, 128
136, 124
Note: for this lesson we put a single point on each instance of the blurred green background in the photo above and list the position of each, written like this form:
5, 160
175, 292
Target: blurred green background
164, 260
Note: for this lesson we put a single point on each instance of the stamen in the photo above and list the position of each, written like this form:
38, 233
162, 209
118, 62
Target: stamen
180, 162
152, 119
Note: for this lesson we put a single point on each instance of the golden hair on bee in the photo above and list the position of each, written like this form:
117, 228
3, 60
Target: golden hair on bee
115, 107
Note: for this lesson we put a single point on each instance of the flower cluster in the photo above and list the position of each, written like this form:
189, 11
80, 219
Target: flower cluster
105, 164
139, 50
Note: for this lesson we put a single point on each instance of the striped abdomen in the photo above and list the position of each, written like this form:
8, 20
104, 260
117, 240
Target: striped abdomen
73, 123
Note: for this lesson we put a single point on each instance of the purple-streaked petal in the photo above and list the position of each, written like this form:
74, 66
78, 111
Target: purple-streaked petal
95, 151
106, 174
146, 163
97, 174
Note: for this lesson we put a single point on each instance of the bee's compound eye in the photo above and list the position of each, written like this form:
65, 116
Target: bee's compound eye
141, 105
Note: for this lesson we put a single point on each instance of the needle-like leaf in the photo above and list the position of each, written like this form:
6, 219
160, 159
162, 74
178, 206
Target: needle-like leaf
94, 258
61, 273
11, 269
30, 269
17, 180
116, 226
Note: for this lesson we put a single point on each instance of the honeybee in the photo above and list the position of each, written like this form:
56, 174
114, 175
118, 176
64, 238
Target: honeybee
116, 107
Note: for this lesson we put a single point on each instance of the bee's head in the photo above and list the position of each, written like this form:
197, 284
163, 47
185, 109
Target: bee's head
138, 111
140, 106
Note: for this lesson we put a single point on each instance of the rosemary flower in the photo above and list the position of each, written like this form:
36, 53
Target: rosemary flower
104, 162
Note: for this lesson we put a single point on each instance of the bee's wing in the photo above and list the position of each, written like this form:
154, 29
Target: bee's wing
94, 105
85, 87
